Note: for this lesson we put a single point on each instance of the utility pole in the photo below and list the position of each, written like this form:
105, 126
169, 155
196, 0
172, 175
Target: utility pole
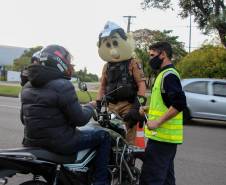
189, 49
129, 17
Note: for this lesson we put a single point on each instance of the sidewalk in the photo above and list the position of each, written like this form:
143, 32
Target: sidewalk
10, 83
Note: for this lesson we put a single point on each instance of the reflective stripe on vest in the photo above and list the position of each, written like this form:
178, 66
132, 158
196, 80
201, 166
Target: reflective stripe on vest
172, 130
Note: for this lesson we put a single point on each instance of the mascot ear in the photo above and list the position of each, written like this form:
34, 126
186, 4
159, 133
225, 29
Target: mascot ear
129, 35
131, 40
98, 44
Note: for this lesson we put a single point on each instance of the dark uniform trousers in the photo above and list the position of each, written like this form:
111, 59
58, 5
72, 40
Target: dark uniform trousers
158, 164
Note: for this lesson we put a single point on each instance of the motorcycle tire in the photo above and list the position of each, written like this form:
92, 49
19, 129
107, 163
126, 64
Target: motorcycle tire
37, 182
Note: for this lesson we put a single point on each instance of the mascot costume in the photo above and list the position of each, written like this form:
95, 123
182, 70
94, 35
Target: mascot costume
122, 79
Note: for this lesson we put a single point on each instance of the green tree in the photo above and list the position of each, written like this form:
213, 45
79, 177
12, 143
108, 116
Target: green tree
143, 56
146, 37
8, 67
209, 15
25, 59
84, 76
206, 62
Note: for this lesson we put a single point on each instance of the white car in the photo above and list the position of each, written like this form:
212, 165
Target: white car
206, 98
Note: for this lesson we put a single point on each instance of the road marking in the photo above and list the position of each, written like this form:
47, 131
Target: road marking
9, 106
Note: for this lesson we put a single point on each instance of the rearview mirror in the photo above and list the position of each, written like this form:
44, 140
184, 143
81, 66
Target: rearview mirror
82, 86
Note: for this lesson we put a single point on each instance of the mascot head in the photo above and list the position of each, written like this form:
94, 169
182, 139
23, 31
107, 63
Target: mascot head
114, 44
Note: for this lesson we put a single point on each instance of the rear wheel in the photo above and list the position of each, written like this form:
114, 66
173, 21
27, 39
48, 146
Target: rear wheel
37, 182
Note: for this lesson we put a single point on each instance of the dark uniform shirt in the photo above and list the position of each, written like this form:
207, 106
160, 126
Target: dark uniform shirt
135, 69
172, 93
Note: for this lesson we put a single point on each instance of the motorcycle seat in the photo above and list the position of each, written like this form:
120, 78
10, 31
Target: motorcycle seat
39, 153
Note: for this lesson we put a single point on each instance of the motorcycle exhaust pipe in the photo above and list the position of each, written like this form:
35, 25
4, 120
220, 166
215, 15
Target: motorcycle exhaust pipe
3, 181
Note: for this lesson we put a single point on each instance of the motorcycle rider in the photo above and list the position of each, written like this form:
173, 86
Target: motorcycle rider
51, 111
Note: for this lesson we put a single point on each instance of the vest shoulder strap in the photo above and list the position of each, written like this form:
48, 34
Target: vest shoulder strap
165, 74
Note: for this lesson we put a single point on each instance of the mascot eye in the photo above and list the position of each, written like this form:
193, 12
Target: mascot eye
108, 45
115, 43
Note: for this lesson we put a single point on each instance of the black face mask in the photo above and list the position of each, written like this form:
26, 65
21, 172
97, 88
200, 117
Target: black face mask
155, 62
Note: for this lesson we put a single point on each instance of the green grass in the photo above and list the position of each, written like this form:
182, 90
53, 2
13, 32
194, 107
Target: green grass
84, 97
8, 90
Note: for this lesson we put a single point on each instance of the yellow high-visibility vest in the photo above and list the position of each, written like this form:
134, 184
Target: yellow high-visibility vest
172, 130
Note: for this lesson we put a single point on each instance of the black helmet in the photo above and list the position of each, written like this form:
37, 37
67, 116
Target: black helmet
57, 57
35, 57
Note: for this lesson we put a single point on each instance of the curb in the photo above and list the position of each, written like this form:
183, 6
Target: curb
8, 95
14, 96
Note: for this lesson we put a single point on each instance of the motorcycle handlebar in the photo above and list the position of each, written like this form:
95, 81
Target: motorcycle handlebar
103, 117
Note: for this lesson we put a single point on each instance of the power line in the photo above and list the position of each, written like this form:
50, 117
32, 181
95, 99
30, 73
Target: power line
179, 26
187, 26
192, 46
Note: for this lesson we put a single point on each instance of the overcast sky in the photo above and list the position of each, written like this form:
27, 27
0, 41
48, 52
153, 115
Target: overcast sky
76, 24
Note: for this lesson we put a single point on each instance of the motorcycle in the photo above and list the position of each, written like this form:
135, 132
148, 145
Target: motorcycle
49, 168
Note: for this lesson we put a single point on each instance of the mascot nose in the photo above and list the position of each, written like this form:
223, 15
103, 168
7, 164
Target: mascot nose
115, 54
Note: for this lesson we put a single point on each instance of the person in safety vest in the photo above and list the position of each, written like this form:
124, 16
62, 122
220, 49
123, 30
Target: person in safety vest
122, 79
164, 127
51, 113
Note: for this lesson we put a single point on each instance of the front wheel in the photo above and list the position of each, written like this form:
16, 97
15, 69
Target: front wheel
126, 179
37, 182
135, 168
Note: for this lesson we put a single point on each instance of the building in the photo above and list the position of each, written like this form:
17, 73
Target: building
9, 53
7, 56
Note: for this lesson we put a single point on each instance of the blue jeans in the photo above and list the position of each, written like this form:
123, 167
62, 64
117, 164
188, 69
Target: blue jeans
158, 164
101, 140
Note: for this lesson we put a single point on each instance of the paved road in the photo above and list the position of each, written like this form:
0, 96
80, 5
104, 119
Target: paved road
201, 160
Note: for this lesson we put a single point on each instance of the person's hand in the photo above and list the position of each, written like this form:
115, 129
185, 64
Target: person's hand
143, 110
98, 105
153, 124
95, 115
93, 103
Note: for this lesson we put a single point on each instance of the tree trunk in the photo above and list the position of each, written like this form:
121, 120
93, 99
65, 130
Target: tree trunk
222, 33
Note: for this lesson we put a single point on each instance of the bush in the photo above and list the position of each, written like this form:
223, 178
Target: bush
207, 62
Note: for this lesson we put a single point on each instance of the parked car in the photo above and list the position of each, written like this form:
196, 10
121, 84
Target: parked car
206, 98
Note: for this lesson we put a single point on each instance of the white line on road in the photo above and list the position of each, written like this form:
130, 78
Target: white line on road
9, 106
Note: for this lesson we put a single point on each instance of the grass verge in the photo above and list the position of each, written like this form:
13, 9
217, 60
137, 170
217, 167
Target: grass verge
13, 91
84, 97
6, 90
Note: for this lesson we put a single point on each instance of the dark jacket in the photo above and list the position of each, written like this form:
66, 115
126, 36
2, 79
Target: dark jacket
51, 111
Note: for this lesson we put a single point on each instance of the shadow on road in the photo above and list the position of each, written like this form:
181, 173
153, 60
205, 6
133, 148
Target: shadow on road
207, 123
